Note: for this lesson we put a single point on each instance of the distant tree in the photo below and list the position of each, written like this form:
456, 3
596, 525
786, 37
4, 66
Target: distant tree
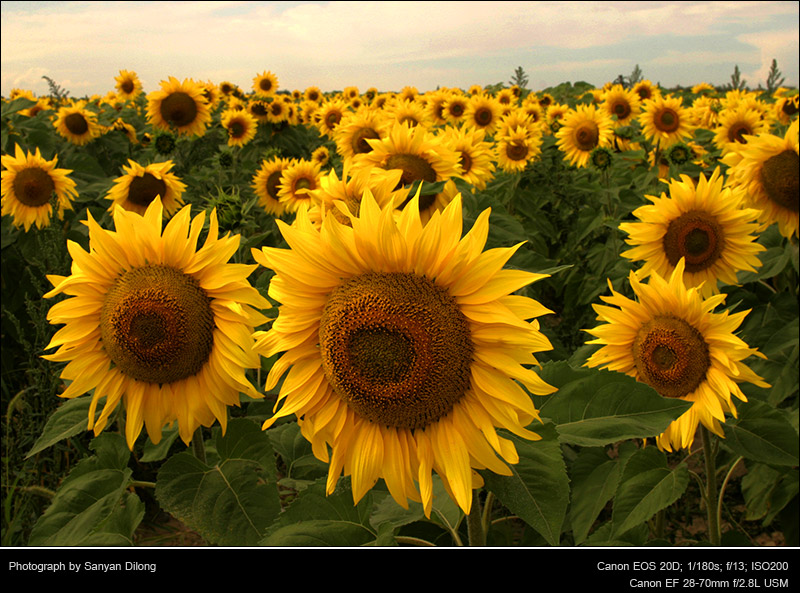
636, 76
737, 82
519, 78
775, 77
56, 92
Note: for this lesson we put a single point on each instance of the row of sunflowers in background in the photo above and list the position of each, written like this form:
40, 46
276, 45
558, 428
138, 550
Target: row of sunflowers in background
490, 316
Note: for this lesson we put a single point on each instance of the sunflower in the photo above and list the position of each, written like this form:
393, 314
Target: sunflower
421, 156
434, 107
156, 323
355, 129
665, 121
266, 183
259, 110
265, 84
313, 93
412, 113
28, 185
277, 111
646, 90
180, 107
330, 114
516, 148
483, 112
786, 108
671, 340
455, 109
403, 346
128, 85
735, 124
296, 182
621, 104
704, 225
768, 168
76, 124
475, 154
240, 125
582, 130
140, 186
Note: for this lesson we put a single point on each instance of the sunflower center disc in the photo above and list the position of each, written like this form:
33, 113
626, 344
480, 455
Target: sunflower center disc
622, 110
413, 167
157, 325
667, 120
179, 109
671, 356
456, 109
265, 84
33, 187
517, 151
332, 119
779, 177
359, 142
695, 236
273, 184
237, 130
144, 189
466, 162
127, 87
736, 133
76, 124
396, 348
586, 136
483, 117
258, 109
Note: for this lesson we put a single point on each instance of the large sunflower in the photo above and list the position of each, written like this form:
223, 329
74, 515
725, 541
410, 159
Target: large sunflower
475, 154
29, 183
140, 186
265, 84
670, 339
517, 147
299, 178
621, 104
355, 129
735, 124
768, 168
156, 323
483, 112
180, 107
403, 346
704, 224
665, 121
582, 130
76, 124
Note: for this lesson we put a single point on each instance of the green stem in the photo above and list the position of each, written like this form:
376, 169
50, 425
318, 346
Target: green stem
712, 502
477, 535
413, 541
722, 489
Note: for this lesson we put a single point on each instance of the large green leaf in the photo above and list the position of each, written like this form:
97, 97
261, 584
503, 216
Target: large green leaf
231, 502
93, 506
762, 433
647, 486
296, 452
538, 489
596, 407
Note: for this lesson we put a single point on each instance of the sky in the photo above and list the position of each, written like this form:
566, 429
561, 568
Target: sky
82, 46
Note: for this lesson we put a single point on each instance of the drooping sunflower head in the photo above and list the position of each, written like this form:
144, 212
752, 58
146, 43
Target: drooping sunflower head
786, 109
180, 107
670, 338
150, 324
141, 185
240, 125
329, 115
31, 186
77, 124
355, 129
476, 156
128, 85
665, 121
768, 168
582, 130
401, 350
702, 224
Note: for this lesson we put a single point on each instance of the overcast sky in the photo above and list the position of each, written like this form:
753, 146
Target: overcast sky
390, 45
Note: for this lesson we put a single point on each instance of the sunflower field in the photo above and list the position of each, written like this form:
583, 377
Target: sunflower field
482, 317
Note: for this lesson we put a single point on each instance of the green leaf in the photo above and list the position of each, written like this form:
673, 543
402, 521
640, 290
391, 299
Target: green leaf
69, 419
296, 452
314, 519
229, 504
93, 506
538, 489
647, 486
595, 477
596, 407
762, 433
244, 439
